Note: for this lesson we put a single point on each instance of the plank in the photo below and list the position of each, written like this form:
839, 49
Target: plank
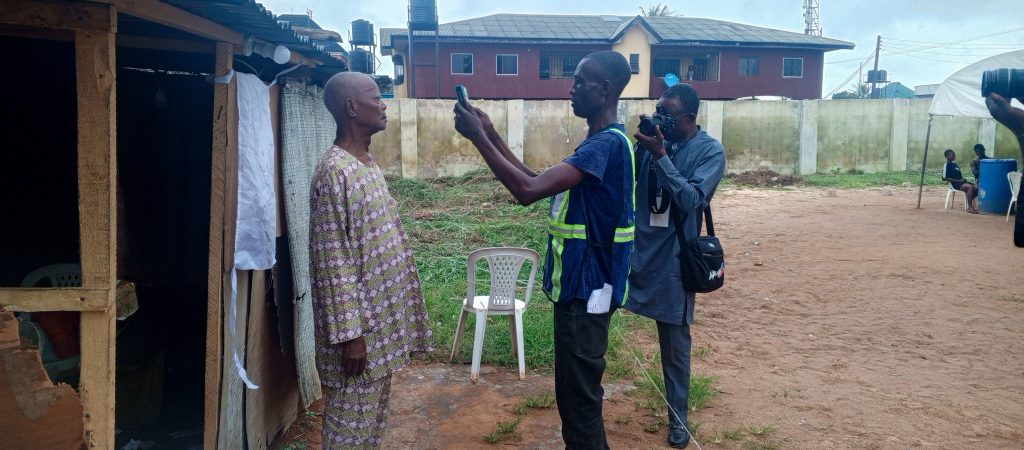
232, 397
55, 299
215, 272
231, 177
166, 44
82, 16
165, 14
97, 180
274, 406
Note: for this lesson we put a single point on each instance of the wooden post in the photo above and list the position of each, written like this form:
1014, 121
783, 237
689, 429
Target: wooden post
97, 178
215, 270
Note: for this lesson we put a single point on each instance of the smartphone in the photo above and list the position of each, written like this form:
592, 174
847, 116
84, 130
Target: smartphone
463, 95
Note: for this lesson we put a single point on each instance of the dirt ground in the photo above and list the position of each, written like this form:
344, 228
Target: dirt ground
849, 319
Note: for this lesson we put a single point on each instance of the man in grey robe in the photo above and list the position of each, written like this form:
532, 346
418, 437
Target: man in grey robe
677, 175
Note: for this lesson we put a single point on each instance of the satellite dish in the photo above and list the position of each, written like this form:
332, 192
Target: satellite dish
671, 79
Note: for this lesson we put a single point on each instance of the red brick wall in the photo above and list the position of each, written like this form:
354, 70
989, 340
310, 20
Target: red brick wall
485, 83
768, 82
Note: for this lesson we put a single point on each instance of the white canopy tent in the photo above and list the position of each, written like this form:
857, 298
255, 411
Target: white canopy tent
960, 95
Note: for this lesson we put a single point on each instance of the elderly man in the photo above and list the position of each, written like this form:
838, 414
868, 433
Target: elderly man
678, 175
590, 234
367, 301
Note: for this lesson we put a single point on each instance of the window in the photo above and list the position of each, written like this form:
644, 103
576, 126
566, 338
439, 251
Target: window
665, 66
399, 63
462, 63
507, 65
559, 65
698, 69
792, 67
634, 62
749, 67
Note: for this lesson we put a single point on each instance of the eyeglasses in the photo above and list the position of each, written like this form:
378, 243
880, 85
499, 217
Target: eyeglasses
660, 111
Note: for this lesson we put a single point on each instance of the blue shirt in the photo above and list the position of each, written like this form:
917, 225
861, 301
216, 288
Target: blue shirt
603, 204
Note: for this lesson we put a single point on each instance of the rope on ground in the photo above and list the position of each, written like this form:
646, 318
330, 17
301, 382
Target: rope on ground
633, 351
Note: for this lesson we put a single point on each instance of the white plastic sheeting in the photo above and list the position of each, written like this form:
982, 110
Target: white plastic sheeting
960, 94
257, 204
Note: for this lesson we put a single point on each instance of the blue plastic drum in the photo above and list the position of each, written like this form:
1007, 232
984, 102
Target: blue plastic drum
993, 187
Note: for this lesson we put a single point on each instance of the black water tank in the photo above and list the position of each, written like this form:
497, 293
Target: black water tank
362, 32
422, 15
361, 61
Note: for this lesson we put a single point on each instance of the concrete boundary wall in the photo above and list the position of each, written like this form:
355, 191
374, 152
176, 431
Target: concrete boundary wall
789, 137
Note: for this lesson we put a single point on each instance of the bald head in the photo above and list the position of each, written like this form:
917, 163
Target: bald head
341, 88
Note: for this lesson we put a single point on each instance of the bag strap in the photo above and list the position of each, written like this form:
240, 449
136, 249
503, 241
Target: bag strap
709, 222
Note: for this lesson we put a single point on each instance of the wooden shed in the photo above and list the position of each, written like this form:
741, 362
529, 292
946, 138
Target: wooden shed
122, 158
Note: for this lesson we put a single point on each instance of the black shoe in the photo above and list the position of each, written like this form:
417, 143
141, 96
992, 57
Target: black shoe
678, 437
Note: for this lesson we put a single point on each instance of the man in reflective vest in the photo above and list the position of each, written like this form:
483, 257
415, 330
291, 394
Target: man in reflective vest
590, 234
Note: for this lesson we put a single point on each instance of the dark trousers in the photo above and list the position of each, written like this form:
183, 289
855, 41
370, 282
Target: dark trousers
675, 341
581, 340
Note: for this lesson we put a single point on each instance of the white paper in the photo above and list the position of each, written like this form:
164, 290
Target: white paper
600, 300
661, 220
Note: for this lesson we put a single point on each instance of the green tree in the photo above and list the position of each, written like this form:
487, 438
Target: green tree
659, 10
857, 91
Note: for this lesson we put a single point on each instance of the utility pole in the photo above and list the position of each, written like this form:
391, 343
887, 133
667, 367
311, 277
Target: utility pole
874, 79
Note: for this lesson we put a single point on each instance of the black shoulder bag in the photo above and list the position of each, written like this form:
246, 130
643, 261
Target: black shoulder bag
702, 258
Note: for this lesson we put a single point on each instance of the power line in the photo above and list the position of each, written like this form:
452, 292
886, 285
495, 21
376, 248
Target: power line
855, 72
897, 50
936, 45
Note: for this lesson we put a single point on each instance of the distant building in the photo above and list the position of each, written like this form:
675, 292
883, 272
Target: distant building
533, 56
329, 41
926, 90
897, 90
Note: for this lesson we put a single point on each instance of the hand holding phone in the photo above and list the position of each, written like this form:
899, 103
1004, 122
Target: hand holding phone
462, 95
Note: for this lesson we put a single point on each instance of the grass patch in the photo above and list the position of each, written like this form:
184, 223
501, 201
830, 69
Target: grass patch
858, 179
624, 419
297, 445
732, 434
446, 219
762, 430
503, 431
543, 400
702, 389
702, 351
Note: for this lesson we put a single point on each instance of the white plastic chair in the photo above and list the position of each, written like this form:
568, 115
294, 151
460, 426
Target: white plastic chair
58, 275
1014, 178
951, 197
505, 265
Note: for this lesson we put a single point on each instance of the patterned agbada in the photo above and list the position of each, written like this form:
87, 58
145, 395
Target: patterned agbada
365, 283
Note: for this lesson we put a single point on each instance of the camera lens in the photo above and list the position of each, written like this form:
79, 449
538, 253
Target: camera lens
1006, 82
647, 125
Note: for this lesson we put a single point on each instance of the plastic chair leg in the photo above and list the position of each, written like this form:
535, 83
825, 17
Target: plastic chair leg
520, 345
1010, 208
460, 330
512, 332
949, 199
478, 344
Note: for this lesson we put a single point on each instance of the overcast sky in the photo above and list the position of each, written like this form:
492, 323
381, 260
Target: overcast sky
923, 42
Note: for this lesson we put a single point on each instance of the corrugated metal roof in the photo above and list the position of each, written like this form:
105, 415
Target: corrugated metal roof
250, 17
299, 20
528, 27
